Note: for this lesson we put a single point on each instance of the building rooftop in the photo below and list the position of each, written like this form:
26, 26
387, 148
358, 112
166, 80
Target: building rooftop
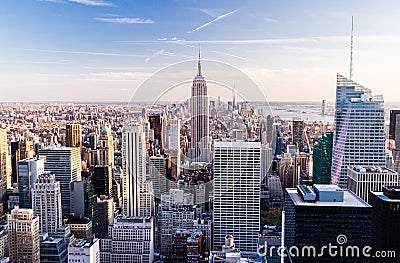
349, 200
389, 194
370, 169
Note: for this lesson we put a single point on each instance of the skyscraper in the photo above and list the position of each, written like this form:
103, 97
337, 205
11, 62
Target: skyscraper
5, 164
394, 128
297, 133
236, 185
47, 203
104, 216
363, 179
359, 137
23, 236
173, 134
74, 135
386, 220
316, 216
200, 142
106, 148
158, 175
322, 159
130, 239
134, 167
28, 172
102, 180
65, 163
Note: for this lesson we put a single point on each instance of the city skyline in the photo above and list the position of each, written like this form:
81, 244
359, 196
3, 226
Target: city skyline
92, 50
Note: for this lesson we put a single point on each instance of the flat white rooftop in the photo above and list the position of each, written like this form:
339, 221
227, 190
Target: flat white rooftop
350, 200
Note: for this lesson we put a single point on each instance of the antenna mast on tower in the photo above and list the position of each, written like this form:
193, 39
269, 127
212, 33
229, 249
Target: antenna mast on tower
351, 49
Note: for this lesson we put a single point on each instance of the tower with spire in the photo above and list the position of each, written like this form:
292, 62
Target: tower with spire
200, 142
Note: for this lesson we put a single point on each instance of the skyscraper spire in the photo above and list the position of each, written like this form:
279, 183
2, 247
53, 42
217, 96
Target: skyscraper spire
351, 50
199, 64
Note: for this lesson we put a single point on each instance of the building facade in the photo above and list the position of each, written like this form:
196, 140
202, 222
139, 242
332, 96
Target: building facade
359, 137
23, 236
28, 172
236, 185
47, 203
322, 159
316, 216
363, 179
130, 239
65, 163
386, 220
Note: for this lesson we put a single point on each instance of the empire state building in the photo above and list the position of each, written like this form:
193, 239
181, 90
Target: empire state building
200, 141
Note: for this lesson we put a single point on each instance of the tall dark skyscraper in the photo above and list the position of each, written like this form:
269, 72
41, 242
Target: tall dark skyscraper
386, 219
297, 133
316, 216
74, 135
200, 142
394, 128
322, 159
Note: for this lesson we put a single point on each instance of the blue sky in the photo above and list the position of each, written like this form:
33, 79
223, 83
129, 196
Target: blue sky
101, 50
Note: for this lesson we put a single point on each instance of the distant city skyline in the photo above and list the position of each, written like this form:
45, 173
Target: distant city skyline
98, 50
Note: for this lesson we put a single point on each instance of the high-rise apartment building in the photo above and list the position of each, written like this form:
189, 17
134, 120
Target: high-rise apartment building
236, 185
73, 136
130, 239
47, 203
322, 159
200, 141
359, 137
363, 179
28, 171
23, 236
65, 163
134, 167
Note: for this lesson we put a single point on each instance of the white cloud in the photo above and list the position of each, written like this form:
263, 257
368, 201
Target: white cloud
93, 2
125, 20
213, 21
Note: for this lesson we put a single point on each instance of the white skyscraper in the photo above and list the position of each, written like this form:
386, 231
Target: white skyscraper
236, 185
200, 142
134, 167
173, 134
47, 203
359, 129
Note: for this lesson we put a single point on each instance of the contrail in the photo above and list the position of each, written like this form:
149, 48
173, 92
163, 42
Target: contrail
231, 55
213, 21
